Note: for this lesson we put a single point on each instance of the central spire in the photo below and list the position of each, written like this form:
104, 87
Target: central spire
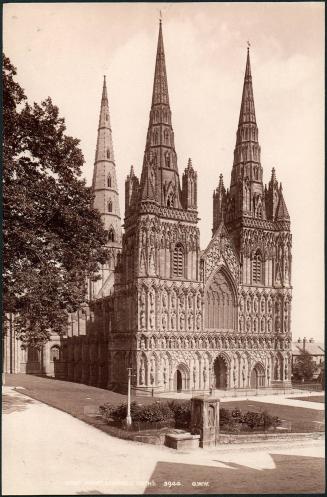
247, 149
159, 179
247, 112
160, 85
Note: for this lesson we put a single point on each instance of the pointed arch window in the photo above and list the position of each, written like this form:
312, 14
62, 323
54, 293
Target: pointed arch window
109, 181
170, 200
257, 272
178, 261
111, 235
110, 206
108, 153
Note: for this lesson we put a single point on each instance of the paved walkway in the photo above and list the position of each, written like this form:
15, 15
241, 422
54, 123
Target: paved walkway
281, 399
50, 452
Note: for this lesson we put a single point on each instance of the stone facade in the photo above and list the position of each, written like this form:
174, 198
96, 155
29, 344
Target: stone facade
186, 320
182, 318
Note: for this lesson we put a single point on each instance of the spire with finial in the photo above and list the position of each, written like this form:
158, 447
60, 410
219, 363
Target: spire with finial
219, 204
159, 178
160, 85
104, 150
247, 149
246, 177
105, 190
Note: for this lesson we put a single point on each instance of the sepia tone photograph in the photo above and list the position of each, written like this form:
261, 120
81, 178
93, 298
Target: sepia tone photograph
163, 248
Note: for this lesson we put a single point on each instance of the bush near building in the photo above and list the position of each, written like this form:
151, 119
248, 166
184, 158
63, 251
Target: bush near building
230, 420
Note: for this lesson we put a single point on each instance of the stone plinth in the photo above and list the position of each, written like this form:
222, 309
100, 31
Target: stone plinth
182, 441
205, 420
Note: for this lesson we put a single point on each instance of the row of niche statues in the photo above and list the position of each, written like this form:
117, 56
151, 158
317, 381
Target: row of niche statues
263, 305
165, 238
195, 342
172, 308
264, 325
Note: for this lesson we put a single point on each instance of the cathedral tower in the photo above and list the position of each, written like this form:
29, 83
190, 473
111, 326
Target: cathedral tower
157, 295
106, 198
257, 220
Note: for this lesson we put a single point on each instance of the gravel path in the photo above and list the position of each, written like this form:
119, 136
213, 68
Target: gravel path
54, 453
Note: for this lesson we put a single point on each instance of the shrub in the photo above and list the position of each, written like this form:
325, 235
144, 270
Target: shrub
234, 420
151, 413
225, 417
182, 412
237, 415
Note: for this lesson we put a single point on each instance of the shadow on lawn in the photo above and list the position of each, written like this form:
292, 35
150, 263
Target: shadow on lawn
291, 474
12, 404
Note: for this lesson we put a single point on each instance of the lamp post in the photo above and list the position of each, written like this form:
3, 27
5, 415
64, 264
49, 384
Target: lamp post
128, 417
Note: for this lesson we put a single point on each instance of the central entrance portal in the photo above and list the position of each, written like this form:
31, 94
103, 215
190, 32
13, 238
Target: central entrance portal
220, 369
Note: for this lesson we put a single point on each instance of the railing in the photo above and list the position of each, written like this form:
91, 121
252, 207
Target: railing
310, 387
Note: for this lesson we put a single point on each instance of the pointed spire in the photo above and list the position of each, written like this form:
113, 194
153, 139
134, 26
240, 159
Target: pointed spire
247, 113
247, 148
106, 198
104, 174
104, 89
281, 211
160, 85
104, 149
159, 179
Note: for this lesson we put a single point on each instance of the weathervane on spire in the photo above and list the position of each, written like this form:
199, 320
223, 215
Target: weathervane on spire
248, 44
160, 16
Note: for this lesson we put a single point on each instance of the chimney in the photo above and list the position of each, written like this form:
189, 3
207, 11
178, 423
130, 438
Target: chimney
311, 340
299, 340
304, 342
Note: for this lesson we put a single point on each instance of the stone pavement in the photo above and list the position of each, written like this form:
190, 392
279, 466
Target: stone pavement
282, 399
49, 452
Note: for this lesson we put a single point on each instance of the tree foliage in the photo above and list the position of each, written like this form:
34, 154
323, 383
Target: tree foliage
304, 366
53, 237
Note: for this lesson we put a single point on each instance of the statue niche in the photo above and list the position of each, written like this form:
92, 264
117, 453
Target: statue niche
220, 302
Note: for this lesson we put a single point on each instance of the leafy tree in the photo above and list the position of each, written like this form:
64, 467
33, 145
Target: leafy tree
53, 238
304, 366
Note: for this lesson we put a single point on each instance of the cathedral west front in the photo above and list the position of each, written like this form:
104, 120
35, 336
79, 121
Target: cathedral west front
185, 319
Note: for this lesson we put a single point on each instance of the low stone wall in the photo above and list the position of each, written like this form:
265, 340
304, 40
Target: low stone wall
225, 438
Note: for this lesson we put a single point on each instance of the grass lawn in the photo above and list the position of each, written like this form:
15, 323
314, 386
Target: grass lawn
312, 398
82, 402
302, 420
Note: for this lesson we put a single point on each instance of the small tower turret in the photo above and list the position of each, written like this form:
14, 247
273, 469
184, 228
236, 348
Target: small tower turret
219, 204
272, 196
131, 192
189, 190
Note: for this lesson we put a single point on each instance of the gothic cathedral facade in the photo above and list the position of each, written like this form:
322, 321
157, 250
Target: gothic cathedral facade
190, 320
181, 318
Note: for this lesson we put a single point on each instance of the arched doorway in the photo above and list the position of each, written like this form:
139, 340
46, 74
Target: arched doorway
257, 379
179, 381
181, 378
220, 370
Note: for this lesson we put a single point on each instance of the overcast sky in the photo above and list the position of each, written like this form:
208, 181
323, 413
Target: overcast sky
63, 50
